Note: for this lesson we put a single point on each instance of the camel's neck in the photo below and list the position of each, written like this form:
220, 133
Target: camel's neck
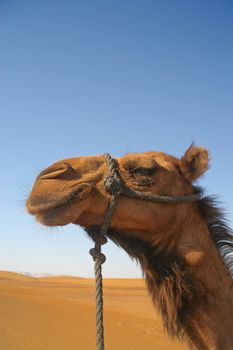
189, 283
194, 289
214, 320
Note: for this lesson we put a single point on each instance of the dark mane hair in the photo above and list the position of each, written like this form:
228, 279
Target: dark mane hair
175, 291
221, 233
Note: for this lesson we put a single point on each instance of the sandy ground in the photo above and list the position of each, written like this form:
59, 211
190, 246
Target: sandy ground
58, 313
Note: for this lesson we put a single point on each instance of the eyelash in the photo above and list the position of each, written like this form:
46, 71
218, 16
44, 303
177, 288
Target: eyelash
143, 171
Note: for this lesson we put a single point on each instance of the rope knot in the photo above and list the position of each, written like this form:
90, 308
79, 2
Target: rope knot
112, 184
97, 255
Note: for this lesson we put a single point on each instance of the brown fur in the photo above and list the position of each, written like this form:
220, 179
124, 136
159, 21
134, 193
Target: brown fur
174, 290
178, 246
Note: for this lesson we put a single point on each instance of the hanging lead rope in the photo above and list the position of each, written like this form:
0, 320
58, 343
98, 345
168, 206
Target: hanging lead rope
111, 182
99, 259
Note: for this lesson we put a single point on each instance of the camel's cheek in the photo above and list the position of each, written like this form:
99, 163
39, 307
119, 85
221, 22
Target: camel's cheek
151, 218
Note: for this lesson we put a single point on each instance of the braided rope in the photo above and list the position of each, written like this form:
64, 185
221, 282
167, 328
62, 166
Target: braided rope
99, 305
98, 257
159, 198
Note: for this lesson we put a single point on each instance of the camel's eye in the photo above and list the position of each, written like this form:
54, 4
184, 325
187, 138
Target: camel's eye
143, 171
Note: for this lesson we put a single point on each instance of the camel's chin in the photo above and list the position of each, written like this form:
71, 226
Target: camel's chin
51, 219
59, 216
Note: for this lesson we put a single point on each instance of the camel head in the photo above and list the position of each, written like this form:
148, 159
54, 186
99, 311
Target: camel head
72, 191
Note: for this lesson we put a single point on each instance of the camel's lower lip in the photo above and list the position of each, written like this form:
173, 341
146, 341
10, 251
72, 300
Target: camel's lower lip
50, 205
49, 217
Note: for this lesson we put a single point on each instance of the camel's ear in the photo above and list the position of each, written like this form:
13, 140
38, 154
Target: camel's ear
194, 162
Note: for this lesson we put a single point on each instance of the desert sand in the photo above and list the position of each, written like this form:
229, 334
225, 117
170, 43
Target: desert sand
58, 313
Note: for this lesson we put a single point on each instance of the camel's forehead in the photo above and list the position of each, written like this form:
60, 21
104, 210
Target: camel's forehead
83, 162
148, 158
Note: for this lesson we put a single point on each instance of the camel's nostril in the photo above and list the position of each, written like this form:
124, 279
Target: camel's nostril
55, 171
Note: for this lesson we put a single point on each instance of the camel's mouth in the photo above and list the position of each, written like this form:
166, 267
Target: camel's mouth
42, 205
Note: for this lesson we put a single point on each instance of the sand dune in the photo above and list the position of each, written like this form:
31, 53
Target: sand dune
58, 313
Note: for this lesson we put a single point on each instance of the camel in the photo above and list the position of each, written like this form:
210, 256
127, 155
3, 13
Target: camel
184, 249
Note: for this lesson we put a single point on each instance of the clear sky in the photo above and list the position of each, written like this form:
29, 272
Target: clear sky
88, 77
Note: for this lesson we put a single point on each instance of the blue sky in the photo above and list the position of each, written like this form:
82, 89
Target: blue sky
88, 77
